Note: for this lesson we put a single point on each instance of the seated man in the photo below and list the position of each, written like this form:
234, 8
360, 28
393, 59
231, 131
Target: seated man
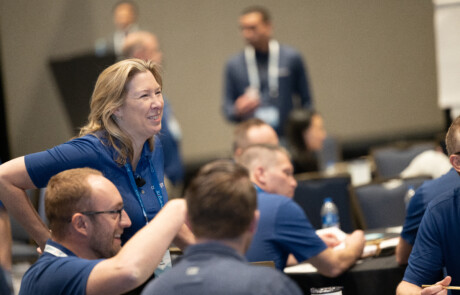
250, 132
437, 243
283, 227
222, 213
425, 194
84, 255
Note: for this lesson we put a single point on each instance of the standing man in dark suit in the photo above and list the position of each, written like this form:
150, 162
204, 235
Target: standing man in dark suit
263, 80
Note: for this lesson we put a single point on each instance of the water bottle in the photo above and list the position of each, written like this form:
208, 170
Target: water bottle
409, 194
329, 214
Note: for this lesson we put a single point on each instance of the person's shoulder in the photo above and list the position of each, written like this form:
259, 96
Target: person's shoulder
272, 281
273, 198
95, 139
289, 50
236, 59
447, 181
447, 200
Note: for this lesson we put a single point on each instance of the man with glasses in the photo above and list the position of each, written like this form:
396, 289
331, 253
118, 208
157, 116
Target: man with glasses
437, 243
84, 255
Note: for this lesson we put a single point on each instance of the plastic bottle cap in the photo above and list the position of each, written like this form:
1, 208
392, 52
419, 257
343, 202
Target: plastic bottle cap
327, 200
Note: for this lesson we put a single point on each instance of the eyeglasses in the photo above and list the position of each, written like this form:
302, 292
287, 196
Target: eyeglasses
104, 212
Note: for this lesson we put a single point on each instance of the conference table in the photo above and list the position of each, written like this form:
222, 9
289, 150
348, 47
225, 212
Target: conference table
371, 275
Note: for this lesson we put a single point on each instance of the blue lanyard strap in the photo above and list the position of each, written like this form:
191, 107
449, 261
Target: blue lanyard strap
129, 170
155, 187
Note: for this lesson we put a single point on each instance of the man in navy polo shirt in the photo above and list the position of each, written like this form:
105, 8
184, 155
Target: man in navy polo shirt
222, 206
283, 227
84, 255
424, 195
437, 243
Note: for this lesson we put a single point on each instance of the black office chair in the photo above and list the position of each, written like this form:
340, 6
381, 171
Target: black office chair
313, 188
382, 203
330, 153
391, 160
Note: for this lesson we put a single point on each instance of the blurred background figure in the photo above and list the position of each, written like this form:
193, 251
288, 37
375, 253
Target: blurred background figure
305, 136
125, 15
144, 45
266, 78
250, 132
434, 163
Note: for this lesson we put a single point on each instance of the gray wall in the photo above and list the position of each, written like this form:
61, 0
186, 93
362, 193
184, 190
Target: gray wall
371, 63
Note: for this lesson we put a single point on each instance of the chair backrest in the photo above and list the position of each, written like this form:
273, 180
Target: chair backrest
390, 161
311, 191
382, 203
330, 153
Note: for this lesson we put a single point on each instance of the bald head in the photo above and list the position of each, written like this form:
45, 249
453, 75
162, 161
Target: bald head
142, 45
251, 132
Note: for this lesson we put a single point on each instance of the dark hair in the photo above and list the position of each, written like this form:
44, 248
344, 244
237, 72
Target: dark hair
452, 136
303, 159
221, 201
266, 17
298, 121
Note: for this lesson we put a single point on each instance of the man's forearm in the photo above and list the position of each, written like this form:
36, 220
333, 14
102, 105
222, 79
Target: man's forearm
140, 256
184, 238
403, 250
14, 179
406, 288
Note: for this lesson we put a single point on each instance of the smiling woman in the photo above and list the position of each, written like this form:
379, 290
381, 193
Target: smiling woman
119, 140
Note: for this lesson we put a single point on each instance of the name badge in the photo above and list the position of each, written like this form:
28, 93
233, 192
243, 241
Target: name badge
268, 114
164, 265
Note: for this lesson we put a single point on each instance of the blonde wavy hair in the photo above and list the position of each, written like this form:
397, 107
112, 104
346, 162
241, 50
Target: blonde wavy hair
110, 94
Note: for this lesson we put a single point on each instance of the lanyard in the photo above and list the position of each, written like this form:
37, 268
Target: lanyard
273, 70
155, 187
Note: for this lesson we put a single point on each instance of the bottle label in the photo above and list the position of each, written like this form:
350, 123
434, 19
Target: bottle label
330, 220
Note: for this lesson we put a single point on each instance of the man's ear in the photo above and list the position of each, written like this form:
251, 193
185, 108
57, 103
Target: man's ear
260, 176
80, 224
455, 161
